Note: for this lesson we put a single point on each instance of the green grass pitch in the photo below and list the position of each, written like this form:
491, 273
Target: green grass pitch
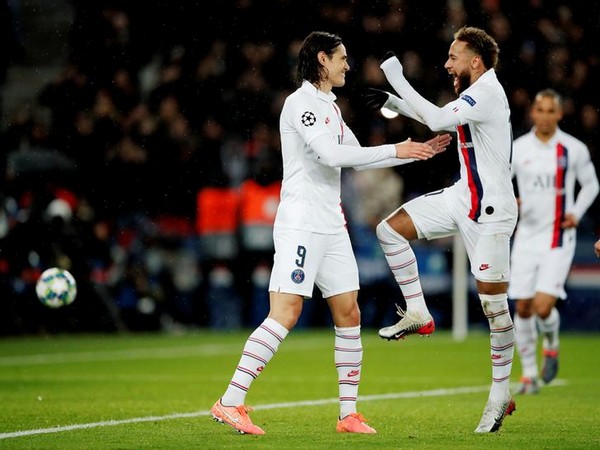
153, 391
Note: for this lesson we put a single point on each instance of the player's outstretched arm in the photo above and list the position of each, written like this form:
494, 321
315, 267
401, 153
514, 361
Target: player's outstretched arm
410, 151
434, 117
376, 99
414, 150
440, 142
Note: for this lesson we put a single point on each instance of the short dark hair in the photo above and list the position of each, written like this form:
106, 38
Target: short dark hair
481, 43
308, 65
550, 93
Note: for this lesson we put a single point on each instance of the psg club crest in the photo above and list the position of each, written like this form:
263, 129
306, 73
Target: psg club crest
298, 276
308, 119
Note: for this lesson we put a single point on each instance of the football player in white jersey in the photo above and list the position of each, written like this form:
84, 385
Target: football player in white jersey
480, 206
312, 245
547, 163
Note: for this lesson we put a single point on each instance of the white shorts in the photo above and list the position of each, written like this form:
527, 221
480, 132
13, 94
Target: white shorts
438, 214
539, 271
303, 259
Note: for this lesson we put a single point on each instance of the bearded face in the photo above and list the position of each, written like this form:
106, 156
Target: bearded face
461, 82
459, 65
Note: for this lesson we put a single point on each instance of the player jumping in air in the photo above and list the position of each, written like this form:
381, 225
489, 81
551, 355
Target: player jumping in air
480, 206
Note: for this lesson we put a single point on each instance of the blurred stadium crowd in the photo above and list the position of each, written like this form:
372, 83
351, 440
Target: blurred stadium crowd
150, 167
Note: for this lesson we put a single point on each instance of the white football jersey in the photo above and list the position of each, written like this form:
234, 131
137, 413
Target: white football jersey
311, 188
481, 117
546, 175
484, 150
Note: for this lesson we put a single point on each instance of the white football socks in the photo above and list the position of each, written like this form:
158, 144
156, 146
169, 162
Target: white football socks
258, 351
549, 328
348, 355
526, 337
502, 343
403, 264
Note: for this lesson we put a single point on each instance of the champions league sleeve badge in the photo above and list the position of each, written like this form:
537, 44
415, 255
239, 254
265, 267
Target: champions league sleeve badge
308, 119
470, 100
298, 276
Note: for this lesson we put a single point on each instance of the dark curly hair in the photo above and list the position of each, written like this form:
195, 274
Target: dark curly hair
481, 43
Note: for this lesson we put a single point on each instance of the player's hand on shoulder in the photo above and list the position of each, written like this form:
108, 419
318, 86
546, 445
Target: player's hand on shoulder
375, 98
417, 150
440, 142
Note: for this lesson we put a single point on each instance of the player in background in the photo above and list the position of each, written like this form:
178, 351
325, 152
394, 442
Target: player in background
312, 245
547, 163
480, 206
597, 248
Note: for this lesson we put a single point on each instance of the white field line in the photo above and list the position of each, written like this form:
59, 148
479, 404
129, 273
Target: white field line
324, 401
136, 354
